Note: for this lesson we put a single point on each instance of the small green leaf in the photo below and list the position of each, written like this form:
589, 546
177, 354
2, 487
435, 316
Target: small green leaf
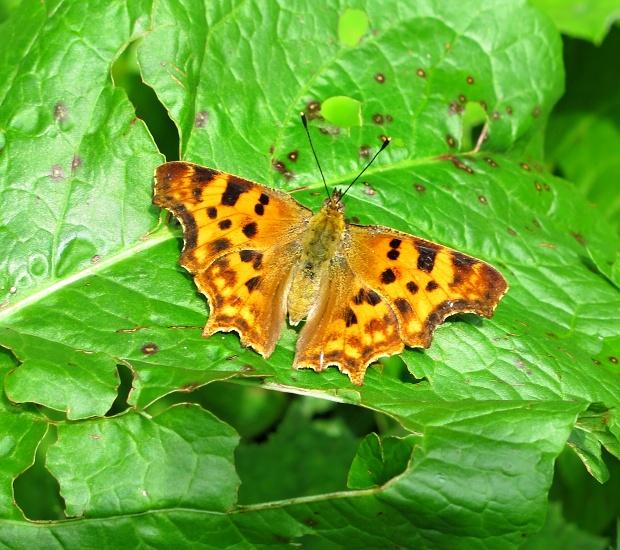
342, 111
352, 26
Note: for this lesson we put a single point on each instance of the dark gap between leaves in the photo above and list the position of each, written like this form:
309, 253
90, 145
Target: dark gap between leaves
36, 490
126, 383
126, 75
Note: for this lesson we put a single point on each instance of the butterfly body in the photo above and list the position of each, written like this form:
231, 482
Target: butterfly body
321, 242
364, 291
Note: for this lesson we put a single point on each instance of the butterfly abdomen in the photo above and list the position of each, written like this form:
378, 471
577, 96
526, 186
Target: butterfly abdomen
319, 245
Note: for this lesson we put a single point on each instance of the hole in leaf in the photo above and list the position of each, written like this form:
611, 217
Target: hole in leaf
342, 111
126, 383
126, 75
36, 490
474, 119
352, 26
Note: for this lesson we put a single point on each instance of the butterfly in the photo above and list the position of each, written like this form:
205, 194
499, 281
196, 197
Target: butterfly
364, 291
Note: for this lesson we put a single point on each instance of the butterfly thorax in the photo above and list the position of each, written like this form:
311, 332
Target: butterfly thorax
319, 245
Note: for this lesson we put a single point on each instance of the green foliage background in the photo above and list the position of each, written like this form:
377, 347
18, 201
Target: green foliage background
121, 426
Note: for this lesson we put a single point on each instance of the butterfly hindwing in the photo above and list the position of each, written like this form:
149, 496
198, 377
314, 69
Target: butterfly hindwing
351, 326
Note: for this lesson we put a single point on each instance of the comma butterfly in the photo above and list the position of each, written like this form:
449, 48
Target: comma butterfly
364, 291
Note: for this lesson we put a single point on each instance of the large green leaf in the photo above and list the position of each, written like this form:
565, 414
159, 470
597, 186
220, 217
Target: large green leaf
90, 277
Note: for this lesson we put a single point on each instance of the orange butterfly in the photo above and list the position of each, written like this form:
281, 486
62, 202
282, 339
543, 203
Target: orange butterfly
364, 291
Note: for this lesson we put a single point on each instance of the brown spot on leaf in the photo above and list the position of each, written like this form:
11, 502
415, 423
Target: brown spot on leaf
613, 359
490, 162
450, 140
57, 173
61, 112
293, 156
378, 119
579, 238
364, 151
470, 80
483, 200
525, 166
76, 163
421, 73
201, 119
419, 188
278, 166
149, 349
380, 78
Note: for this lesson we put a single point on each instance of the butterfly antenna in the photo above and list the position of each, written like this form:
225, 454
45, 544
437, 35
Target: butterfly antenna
386, 142
305, 122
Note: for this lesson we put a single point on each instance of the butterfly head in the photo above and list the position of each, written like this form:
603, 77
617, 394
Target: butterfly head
333, 204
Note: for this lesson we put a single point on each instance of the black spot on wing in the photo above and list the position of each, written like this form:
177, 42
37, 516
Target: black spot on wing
404, 307
426, 256
368, 296
252, 283
234, 189
395, 243
388, 277
350, 318
252, 256
202, 175
412, 287
259, 209
264, 199
219, 245
393, 254
197, 194
431, 285
224, 224
212, 212
462, 261
250, 229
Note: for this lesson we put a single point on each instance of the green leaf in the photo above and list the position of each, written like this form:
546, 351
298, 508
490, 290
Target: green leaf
583, 134
181, 458
558, 534
377, 461
89, 273
586, 20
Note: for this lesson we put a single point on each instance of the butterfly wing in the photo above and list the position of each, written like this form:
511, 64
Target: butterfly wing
396, 290
241, 242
